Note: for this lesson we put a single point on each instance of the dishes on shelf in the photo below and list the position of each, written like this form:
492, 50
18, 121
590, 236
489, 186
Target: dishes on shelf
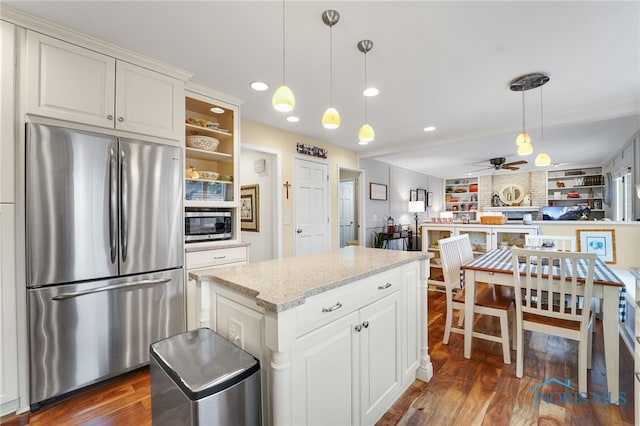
205, 143
205, 174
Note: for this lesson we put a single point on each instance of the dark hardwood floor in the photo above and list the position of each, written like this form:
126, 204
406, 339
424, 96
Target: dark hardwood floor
479, 391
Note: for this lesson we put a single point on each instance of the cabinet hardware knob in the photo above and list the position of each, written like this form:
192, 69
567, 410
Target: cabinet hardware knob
384, 287
299, 231
121, 119
358, 328
365, 324
109, 117
333, 308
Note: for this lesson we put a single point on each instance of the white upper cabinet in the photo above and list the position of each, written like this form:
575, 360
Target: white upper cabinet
7, 112
72, 83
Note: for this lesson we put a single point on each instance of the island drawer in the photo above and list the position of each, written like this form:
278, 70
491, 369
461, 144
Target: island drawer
325, 307
216, 257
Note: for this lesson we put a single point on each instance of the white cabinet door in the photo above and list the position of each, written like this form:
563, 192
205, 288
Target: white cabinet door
324, 372
7, 112
510, 235
8, 338
380, 350
69, 82
148, 102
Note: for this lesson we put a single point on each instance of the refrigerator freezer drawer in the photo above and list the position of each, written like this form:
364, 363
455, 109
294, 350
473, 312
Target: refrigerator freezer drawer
83, 333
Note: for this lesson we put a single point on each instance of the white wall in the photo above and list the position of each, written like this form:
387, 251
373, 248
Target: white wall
399, 182
262, 242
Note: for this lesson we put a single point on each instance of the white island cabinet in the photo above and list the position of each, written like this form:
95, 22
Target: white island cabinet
339, 334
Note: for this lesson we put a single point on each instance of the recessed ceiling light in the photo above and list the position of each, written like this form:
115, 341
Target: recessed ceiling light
259, 86
363, 143
217, 110
429, 129
370, 91
293, 119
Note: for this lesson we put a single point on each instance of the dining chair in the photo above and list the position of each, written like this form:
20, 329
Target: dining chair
559, 243
490, 300
552, 242
543, 303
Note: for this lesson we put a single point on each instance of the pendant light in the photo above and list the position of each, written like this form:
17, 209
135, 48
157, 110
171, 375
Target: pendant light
283, 99
543, 159
331, 117
520, 84
366, 133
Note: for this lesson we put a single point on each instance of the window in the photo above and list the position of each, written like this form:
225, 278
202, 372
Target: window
623, 206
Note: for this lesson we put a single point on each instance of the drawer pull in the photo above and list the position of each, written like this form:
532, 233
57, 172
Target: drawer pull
384, 287
333, 308
218, 257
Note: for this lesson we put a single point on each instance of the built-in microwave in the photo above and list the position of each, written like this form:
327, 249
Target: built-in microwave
204, 225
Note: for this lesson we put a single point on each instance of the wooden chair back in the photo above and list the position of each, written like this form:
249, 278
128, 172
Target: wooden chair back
542, 294
454, 252
551, 242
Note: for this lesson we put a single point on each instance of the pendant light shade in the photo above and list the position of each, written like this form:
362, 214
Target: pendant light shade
523, 137
366, 133
525, 149
283, 99
543, 160
331, 117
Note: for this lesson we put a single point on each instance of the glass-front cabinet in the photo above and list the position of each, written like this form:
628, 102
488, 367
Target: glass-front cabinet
483, 238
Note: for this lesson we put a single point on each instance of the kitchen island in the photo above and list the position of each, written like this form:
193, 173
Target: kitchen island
339, 334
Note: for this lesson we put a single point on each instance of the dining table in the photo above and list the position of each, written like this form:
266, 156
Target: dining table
496, 267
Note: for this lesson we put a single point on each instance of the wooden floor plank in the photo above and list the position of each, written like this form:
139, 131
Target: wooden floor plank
482, 390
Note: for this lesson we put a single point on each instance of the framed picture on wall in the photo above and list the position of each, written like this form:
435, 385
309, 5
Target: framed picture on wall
413, 195
429, 199
422, 195
377, 191
250, 208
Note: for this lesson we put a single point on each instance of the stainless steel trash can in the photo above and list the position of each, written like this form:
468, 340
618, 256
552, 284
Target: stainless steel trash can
199, 378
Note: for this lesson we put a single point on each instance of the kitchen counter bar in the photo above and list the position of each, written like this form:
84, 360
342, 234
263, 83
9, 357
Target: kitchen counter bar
282, 284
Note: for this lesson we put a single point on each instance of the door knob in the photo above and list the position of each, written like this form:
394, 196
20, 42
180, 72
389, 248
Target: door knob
299, 231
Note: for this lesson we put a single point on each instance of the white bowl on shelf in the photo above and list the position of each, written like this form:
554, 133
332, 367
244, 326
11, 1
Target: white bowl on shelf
205, 143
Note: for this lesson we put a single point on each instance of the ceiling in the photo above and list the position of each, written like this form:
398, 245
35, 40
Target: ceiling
441, 63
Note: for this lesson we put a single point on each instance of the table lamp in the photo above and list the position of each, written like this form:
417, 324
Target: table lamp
416, 207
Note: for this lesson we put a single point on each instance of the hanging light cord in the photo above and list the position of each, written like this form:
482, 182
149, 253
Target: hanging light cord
541, 122
331, 65
365, 88
283, 48
523, 130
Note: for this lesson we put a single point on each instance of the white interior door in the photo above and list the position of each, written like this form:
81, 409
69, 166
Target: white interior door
347, 212
311, 209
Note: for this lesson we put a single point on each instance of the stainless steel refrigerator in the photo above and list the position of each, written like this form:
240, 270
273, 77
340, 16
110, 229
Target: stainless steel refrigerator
104, 248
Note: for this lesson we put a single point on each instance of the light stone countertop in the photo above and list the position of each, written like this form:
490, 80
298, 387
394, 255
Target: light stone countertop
282, 284
212, 245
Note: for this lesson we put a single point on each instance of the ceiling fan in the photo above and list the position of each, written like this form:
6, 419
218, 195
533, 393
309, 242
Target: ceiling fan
499, 163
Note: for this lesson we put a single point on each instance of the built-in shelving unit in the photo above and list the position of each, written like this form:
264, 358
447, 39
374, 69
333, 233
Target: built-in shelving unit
577, 187
461, 197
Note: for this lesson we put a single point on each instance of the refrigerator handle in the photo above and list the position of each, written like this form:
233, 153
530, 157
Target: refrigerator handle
113, 204
124, 205
143, 283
